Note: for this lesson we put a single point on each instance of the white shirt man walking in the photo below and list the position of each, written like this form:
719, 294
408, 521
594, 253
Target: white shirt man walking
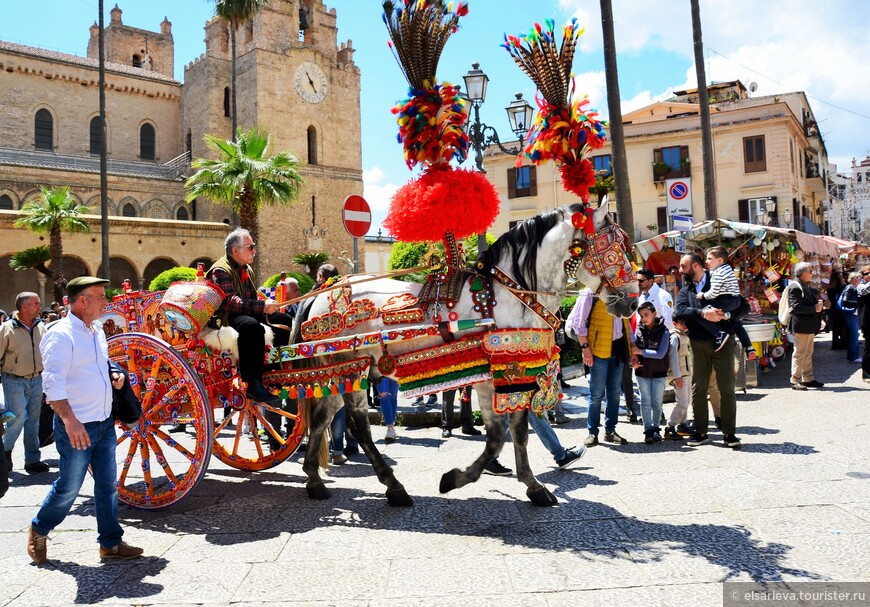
79, 389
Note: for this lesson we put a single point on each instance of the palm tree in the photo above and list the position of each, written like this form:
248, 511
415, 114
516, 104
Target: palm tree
34, 258
55, 211
237, 12
614, 108
244, 178
312, 262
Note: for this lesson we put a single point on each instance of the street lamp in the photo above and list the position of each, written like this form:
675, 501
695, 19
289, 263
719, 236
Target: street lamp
786, 217
770, 205
520, 114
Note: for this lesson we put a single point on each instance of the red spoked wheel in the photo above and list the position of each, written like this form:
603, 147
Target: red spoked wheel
255, 435
171, 394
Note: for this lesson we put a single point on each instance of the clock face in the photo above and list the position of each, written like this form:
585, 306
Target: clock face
310, 82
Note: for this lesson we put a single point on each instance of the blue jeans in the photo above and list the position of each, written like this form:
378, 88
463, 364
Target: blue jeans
339, 432
24, 399
544, 431
852, 350
652, 394
100, 456
605, 379
390, 402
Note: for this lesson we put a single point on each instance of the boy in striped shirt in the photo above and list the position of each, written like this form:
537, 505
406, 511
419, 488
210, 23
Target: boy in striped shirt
724, 293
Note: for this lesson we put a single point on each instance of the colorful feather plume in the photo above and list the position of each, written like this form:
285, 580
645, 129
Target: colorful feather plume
431, 121
563, 128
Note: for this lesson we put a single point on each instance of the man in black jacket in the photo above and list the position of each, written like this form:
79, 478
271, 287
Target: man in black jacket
805, 322
705, 357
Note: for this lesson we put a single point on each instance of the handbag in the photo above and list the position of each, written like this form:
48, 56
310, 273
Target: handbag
46, 424
126, 408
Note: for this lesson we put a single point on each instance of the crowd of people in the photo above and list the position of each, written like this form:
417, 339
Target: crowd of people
689, 344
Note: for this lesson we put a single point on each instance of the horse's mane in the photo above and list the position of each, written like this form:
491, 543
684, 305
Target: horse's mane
521, 243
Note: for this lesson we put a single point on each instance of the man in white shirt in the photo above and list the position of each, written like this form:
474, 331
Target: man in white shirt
78, 387
661, 299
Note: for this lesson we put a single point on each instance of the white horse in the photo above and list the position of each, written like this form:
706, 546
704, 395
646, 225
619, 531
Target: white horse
534, 255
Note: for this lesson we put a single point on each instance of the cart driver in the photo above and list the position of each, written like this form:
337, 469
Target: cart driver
245, 312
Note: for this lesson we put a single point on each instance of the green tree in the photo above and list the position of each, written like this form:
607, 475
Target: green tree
237, 12
311, 262
55, 212
34, 258
244, 177
162, 281
407, 255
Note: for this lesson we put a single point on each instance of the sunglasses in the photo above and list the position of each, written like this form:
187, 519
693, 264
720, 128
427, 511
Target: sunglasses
250, 247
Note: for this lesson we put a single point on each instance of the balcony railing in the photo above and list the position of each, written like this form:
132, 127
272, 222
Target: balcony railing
662, 171
175, 169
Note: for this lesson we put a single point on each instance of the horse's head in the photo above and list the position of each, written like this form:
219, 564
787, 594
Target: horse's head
601, 260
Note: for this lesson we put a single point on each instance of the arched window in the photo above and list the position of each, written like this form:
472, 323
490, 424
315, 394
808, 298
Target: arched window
6, 203
137, 61
227, 101
181, 214
96, 135
146, 142
129, 210
312, 145
43, 127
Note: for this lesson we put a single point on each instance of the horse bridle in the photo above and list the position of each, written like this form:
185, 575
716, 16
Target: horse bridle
602, 251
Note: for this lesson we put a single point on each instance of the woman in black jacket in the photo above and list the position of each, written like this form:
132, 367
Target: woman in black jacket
836, 323
848, 304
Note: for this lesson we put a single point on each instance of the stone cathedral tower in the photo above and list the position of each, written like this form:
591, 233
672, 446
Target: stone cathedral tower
296, 81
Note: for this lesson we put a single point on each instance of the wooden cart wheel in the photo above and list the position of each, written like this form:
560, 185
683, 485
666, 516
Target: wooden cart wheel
171, 394
256, 435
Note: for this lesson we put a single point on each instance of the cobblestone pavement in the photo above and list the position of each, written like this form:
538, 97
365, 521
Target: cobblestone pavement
654, 525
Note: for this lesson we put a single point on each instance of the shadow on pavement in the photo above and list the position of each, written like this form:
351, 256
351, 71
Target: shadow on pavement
118, 579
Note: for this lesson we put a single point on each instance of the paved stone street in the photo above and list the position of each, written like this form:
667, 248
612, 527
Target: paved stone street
654, 525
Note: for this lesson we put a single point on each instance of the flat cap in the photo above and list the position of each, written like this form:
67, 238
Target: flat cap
77, 285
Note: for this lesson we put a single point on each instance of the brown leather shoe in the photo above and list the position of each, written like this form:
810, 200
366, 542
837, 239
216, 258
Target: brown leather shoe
37, 547
121, 551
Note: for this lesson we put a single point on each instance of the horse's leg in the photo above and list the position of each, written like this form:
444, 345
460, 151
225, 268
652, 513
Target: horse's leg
495, 435
358, 422
321, 417
536, 492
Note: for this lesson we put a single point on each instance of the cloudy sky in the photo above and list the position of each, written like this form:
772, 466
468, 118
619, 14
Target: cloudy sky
798, 45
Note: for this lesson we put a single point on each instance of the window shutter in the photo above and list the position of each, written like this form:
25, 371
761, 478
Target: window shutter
743, 210
658, 156
512, 182
95, 135
684, 152
533, 181
146, 142
662, 218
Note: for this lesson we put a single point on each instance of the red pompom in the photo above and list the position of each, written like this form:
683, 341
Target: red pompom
443, 199
578, 178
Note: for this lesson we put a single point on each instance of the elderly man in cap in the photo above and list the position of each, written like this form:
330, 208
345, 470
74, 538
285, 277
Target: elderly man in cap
21, 364
79, 388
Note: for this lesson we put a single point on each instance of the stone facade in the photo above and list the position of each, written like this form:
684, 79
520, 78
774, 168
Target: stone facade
324, 133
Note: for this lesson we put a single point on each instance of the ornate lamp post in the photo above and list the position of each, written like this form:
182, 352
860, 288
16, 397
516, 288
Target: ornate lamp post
520, 114
786, 217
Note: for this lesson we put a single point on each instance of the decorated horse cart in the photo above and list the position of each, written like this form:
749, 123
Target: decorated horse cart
490, 325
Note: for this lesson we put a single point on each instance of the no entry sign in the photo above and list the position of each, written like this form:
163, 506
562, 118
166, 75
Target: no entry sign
356, 215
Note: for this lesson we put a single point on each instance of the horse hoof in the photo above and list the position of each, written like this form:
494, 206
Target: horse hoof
399, 498
318, 492
541, 497
449, 481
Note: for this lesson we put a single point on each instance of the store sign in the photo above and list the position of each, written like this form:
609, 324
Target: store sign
679, 196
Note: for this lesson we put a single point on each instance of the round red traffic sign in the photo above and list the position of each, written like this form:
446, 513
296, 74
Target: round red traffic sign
356, 215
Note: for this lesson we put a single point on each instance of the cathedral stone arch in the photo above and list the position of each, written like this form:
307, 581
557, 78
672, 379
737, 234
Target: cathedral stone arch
9, 200
94, 202
156, 209
129, 207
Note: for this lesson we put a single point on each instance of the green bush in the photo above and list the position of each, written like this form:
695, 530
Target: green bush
305, 282
162, 281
